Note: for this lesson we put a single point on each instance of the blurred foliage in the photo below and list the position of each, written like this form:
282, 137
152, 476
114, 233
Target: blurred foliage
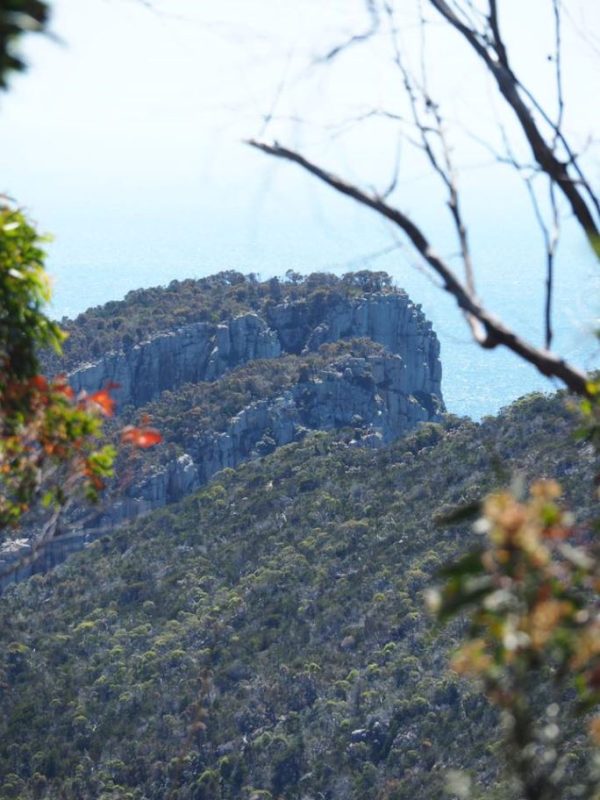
532, 590
18, 17
24, 291
48, 438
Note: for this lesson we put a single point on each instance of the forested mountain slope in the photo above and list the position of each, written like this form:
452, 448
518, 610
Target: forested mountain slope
246, 367
266, 637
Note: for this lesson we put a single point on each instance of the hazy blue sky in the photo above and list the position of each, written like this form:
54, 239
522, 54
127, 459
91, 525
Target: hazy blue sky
124, 141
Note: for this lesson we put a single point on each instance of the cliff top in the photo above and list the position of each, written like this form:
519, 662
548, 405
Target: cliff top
121, 324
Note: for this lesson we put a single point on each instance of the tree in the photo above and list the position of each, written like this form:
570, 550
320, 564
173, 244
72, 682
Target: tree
532, 589
18, 17
532, 586
51, 452
48, 438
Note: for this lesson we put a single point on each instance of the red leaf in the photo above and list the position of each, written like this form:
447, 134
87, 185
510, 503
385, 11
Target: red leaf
62, 387
104, 400
140, 437
40, 383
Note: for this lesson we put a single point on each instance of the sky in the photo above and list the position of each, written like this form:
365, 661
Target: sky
125, 140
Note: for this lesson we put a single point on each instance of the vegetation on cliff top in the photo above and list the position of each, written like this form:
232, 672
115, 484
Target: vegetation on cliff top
121, 324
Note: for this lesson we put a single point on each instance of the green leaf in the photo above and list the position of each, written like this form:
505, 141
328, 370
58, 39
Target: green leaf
470, 564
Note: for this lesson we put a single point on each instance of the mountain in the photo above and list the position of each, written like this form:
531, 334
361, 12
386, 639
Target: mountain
204, 351
263, 635
318, 353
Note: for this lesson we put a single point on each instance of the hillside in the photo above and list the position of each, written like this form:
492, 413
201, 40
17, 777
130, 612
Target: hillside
266, 636
282, 359
247, 620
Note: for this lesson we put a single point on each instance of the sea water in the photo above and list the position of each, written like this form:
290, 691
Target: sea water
128, 251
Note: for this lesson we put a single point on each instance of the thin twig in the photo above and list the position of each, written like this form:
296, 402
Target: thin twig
493, 331
551, 238
357, 38
558, 68
550, 242
445, 171
509, 86
550, 254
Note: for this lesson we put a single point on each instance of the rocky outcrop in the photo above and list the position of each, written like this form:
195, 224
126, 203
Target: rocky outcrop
204, 352
20, 559
380, 396
389, 319
196, 352
371, 394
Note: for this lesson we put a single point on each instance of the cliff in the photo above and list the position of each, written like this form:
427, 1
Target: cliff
266, 637
204, 351
382, 383
384, 395
366, 394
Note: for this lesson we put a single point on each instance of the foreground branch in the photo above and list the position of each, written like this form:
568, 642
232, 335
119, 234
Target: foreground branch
495, 57
492, 331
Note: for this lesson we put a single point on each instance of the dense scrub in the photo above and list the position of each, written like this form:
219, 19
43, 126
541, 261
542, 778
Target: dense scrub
266, 637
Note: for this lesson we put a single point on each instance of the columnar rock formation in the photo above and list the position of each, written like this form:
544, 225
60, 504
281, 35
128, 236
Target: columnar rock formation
204, 351
379, 395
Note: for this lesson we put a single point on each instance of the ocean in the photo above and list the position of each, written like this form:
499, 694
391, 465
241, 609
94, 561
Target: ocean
91, 267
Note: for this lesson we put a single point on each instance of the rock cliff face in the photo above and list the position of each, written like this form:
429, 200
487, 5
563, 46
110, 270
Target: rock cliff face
368, 394
196, 352
20, 560
204, 352
379, 396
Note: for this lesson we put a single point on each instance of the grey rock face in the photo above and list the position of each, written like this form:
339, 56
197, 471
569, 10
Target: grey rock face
241, 340
371, 394
393, 321
201, 351
380, 396
19, 561
195, 352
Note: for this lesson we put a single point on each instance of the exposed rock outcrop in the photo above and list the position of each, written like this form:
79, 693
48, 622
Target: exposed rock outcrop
196, 352
380, 396
20, 560
370, 394
203, 351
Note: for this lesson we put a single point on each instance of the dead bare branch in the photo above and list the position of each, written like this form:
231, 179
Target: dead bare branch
558, 68
444, 169
495, 57
357, 38
551, 248
492, 331
551, 238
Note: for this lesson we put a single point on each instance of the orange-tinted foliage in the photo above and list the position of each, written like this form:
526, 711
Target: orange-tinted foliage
140, 437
